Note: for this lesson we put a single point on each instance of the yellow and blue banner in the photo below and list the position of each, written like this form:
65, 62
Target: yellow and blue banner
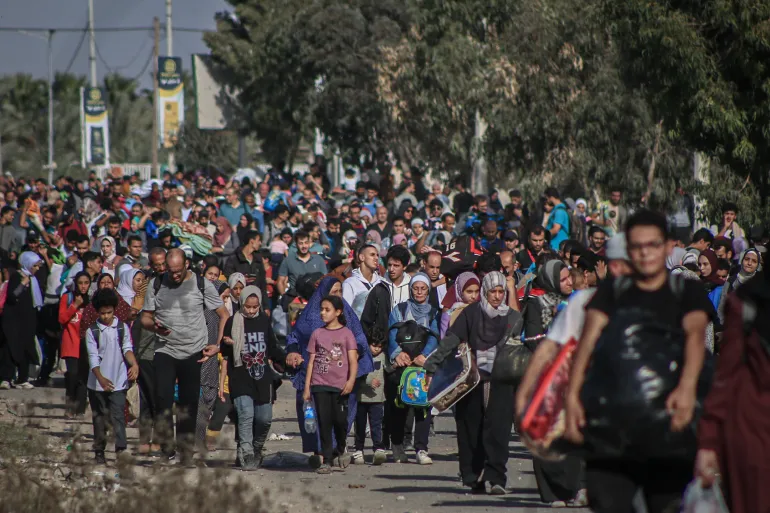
171, 109
96, 126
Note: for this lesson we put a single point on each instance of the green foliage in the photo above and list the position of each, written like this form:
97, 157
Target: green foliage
704, 68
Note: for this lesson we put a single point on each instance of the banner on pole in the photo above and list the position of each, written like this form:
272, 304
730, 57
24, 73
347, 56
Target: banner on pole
96, 127
171, 109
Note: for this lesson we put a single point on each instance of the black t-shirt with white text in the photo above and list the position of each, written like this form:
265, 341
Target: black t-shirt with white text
254, 377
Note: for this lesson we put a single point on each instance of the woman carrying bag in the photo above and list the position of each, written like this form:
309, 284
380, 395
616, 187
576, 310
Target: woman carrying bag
484, 416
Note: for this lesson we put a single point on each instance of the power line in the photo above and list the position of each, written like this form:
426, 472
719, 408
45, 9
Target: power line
77, 51
101, 29
146, 65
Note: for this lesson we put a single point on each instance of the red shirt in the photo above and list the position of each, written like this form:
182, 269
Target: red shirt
69, 318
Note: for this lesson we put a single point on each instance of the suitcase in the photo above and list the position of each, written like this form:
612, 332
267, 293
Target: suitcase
455, 378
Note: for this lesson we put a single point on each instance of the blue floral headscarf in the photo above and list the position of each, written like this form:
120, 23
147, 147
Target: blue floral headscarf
310, 320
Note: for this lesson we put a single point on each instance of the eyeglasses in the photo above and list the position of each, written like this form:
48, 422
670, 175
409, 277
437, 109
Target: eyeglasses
638, 247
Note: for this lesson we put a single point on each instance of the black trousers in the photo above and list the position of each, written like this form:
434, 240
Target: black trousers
421, 427
332, 416
612, 484
9, 366
223, 410
75, 387
147, 391
483, 433
373, 412
49, 330
187, 372
110, 405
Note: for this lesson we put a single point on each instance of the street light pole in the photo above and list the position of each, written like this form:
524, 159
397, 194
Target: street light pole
50, 108
170, 53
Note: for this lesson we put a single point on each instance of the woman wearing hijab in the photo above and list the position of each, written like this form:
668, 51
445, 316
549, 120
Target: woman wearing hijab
417, 308
734, 430
71, 306
245, 225
132, 286
249, 348
559, 483
296, 347
484, 417
553, 285
209, 369
749, 261
464, 292
225, 241
236, 282
708, 264
19, 323
109, 255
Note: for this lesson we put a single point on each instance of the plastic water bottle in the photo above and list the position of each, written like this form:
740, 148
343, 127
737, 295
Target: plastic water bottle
309, 417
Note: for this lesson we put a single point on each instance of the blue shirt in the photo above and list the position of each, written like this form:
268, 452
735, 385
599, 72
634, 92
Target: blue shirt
558, 216
233, 214
394, 349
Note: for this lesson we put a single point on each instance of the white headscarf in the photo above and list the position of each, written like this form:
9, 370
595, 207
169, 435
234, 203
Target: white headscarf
125, 289
491, 281
237, 331
28, 260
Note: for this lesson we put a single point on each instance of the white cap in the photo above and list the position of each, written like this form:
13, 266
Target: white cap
616, 247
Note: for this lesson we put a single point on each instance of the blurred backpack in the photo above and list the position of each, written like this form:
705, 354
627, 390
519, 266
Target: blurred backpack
460, 256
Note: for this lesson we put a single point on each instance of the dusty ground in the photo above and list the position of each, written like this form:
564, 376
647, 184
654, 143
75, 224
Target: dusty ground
293, 487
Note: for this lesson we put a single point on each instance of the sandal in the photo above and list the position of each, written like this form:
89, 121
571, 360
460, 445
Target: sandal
324, 469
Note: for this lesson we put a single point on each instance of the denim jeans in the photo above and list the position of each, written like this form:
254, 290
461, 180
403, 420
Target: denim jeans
374, 413
254, 422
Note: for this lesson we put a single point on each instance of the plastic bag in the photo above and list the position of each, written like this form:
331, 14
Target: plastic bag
635, 366
543, 419
704, 500
132, 400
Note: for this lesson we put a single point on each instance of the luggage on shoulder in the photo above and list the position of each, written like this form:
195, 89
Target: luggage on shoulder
454, 379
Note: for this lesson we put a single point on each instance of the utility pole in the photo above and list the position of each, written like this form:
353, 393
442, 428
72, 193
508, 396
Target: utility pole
50, 107
92, 43
155, 95
170, 53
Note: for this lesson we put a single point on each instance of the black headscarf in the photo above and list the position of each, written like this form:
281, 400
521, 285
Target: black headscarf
242, 231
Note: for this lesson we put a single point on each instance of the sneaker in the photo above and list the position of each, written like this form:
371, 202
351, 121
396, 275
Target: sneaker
249, 463
100, 459
497, 490
5, 385
399, 456
559, 504
423, 458
380, 456
580, 500
324, 469
358, 458
408, 446
314, 461
170, 456
25, 386
343, 460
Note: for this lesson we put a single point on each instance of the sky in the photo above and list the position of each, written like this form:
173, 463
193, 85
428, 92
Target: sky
125, 52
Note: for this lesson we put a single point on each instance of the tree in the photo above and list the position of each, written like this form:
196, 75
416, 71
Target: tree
703, 67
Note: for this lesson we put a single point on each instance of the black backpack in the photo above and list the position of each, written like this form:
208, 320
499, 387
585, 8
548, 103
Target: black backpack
411, 336
96, 332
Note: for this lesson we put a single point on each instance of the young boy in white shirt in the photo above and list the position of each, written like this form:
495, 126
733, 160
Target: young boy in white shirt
112, 364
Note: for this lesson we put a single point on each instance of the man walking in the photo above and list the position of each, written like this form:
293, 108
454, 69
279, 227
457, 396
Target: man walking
174, 310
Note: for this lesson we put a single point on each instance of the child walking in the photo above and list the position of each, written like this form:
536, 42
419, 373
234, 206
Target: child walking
371, 403
249, 347
112, 363
331, 374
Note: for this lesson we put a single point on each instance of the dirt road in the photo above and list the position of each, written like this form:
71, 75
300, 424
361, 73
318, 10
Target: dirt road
397, 488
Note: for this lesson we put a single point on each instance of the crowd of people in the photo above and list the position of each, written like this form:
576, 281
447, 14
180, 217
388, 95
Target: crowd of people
207, 293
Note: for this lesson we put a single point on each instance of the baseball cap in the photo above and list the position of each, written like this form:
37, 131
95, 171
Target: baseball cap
616, 247
417, 220
510, 235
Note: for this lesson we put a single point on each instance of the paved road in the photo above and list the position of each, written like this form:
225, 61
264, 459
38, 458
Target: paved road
397, 488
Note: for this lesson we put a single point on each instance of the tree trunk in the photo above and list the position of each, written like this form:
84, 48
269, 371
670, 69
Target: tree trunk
653, 160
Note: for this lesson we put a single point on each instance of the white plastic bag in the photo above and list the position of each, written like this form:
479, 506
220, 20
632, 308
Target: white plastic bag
704, 500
